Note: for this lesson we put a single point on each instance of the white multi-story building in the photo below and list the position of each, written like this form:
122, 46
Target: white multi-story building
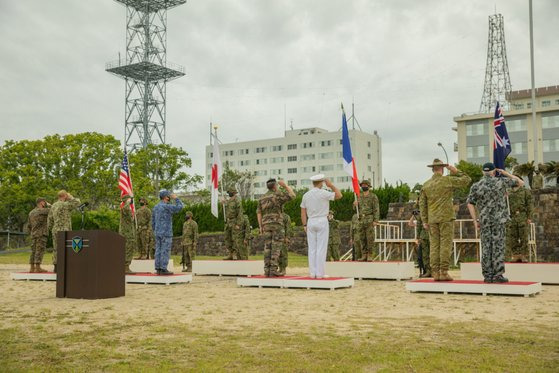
300, 154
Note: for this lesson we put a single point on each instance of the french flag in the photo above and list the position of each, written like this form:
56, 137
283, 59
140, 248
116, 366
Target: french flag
349, 161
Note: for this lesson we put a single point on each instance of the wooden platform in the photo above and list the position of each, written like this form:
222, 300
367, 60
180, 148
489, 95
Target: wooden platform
151, 278
372, 270
296, 282
228, 267
28, 276
474, 287
148, 265
546, 273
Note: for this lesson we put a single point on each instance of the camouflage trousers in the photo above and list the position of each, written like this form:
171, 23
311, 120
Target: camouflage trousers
274, 238
357, 252
38, 247
367, 235
333, 253
232, 234
440, 239
492, 250
129, 249
54, 245
145, 242
284, 260
426, 253
241, 247
517, 237
189, 254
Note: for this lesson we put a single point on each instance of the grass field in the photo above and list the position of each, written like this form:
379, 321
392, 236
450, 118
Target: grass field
212, 325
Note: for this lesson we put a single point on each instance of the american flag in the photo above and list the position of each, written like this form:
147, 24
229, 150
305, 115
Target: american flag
125, 182
501, 142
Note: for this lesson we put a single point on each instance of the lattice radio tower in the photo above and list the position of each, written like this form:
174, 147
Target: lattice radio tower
145, 71
497, 79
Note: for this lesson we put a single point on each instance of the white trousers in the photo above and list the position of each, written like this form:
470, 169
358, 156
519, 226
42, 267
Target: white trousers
317, 239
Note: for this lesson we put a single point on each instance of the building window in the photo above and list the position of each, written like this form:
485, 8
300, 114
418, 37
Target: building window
476, 151
518, 148
276, 172
516, 125
243, 151
308, 169
326, 155
257, 185
327, 167
550, 121
339, 166
292, 170
291, 146
557, 102
369, 168
244, 163
292, 158
550, 145
305, 182
211, 154
528, 105
368, 144
262, 161
260, 150
308, 157
276, 148
307, 145
231, 163
260, 173
292, 183
518, 106
368, 156
341, 142
276, 160
326, 143
476, 129
546, 103
343, 179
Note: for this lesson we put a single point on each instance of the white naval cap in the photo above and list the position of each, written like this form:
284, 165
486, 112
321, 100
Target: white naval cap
319, 177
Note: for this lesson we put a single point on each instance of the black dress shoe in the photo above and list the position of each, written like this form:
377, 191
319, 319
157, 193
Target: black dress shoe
488, 280
500, 279
164, 272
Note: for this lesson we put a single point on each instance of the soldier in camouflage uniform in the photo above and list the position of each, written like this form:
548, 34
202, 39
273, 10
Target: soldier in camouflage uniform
354, 237
537, 180
270, 220
60, 218
144, 232
488, 196
38, 229
127, 229
518, 228
437, 215
422, 241
284, 256
334, 238
369, 215
189, 242
242, 240
234, 220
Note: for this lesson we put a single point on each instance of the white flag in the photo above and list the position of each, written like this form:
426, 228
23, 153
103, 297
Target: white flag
217, 170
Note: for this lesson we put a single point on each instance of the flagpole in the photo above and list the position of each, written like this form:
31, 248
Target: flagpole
221, 183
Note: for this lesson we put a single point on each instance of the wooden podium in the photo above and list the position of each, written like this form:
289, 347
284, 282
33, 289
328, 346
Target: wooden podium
90, 264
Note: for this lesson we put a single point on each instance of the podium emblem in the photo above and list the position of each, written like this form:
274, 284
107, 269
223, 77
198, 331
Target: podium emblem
77, 244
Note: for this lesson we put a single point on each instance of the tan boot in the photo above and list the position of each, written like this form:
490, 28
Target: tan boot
32, 269
444, 276
38, 269
436, 276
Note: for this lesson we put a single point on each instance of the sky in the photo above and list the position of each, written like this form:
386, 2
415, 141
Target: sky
409, 66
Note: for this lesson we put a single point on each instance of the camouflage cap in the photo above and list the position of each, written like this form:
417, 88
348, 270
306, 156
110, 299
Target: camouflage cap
164, 193
188, 214
39, 200
365, 182
143, 200
437, 163
231, 190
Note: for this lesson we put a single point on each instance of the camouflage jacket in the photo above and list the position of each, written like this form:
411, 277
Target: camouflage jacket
521, 205
60, 215
435, 201
354, 230
422, 233
270, 207
234, 209
334, 232
143, 217
537, 181
190, 232
369, 206
37, 224
162, 217
489, 197
127, 227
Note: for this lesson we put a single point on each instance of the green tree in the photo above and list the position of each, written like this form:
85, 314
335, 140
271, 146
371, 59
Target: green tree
159, 167
526, 169
510, 163
474, 171
551, 171
241, 180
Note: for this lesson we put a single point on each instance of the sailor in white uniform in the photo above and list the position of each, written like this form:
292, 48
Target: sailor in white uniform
314, 216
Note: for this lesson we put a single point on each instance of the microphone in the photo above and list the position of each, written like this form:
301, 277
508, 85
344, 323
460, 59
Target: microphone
85, 204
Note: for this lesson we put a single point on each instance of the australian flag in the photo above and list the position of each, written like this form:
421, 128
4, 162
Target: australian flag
501, 142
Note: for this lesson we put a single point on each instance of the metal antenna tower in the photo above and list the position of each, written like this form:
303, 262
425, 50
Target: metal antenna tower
497, 79
145, 71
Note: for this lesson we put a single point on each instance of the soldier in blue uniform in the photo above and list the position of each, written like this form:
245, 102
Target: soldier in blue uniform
162, 225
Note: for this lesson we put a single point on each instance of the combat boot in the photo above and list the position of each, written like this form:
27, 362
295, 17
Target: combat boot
426, 275
38, 269
436, 276
500, 279
444, 276
189, 269
32, 268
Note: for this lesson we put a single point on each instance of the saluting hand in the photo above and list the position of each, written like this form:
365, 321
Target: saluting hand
281, 183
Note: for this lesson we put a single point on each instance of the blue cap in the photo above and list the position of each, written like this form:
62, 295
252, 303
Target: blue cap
488, 167
164, 193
